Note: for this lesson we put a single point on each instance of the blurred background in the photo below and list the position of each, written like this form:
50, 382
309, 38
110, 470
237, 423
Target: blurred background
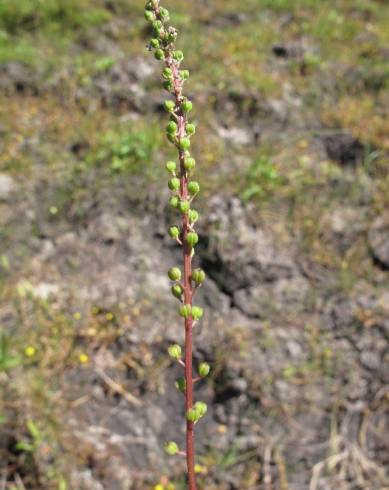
291, 99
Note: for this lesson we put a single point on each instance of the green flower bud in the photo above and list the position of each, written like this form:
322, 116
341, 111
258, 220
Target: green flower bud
190, 129
157, 25
192, 415
180, 384
184, 206
169, 105
174, 232
198, 275
167, 73
171, 448
192, 239
185, 311
172, 138
193, 187
189, 163
174, 201
184, 143
187, 105
200, 409
154, 43
149, 16
177, 291
184, 74
174, 274
159, 55
171, 167
204, 369
197, 313
193, 215
172, 127
174, 184
164, 14
149, 5
178, 55
168, 85
175, 352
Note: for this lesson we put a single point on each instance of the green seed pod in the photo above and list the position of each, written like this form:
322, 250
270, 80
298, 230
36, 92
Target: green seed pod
190, 129
174, 184
204, 369
192, 239
169, 105
200, 409
149, 5
164, 14
172, 127
175, 352
177, 291
174, 232
174, 202
193, 215
193, 187
167, 73
174, 274
159, 55
180, 384
187, 105
178, 55
192, 415
197, 313
198, 275
184, 206
189, 163
184, 74
184, 143
172, 138
157, 25
171, 167
171, 448
154, 43
149, 16
185, 311
168, 85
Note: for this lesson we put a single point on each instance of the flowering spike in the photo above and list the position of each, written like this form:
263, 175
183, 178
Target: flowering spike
179, 131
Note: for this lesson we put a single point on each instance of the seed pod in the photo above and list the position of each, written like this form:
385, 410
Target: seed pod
149, 16
169, 105
175, 352
174, 232
185, 311
174, 274
193, 187
192, 415
164, 14
187, 105
172, 127
184, 143
171, 448
159, 54
190, 129
184, 206
197, 313
171, 167
154, 43
204, 369
174, 202
167, 73
177, 291
178, 55
180, 384
174, 184
193, 215
192, 239
168, 85
189, 163
198, 275
200, 409
184, 74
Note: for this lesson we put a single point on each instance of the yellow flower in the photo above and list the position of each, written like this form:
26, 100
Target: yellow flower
30, 351
200, 469
83, 358
159, 487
